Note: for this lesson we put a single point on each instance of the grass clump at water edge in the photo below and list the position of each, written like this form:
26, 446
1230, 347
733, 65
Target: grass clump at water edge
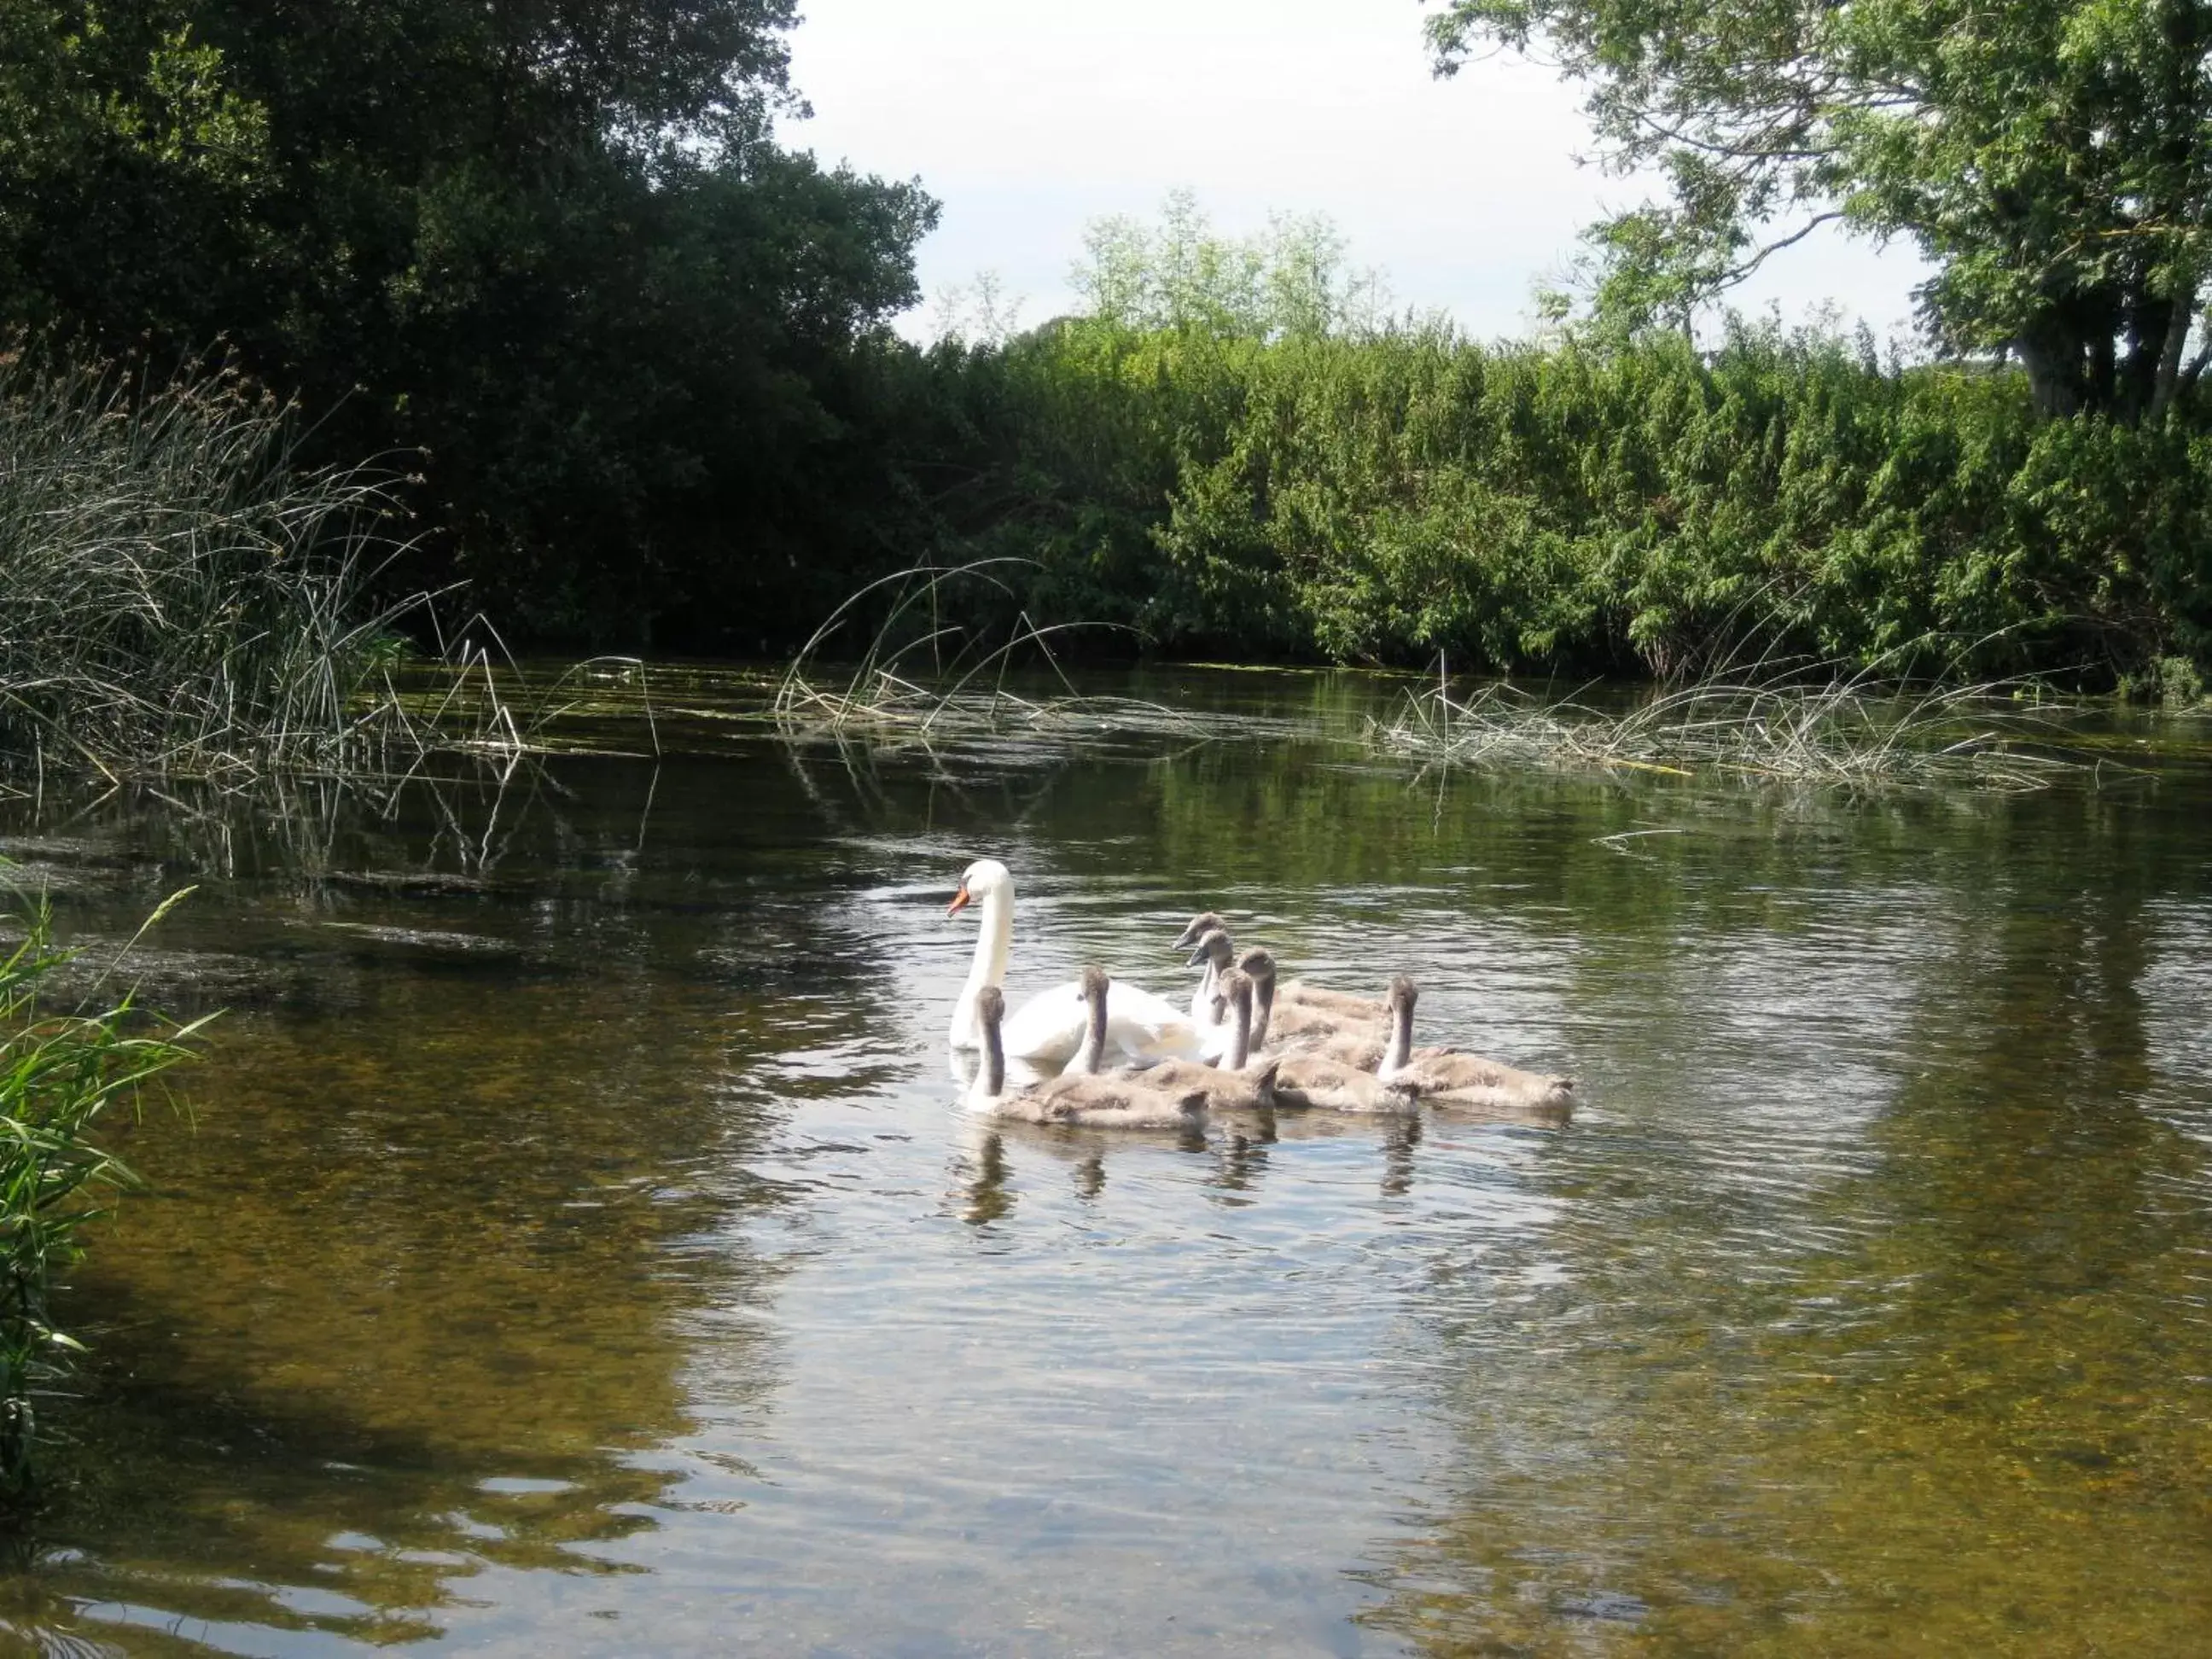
59, 1073
177, 593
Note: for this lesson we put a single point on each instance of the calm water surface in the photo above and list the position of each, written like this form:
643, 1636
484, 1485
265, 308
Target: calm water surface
576, 1245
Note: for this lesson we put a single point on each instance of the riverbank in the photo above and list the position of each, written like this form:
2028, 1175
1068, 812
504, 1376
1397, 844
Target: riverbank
1650, 509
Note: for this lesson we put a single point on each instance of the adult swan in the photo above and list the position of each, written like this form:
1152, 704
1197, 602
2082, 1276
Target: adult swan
1048, 1028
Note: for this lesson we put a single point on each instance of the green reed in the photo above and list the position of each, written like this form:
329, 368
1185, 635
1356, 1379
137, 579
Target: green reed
59, 1073
178, 594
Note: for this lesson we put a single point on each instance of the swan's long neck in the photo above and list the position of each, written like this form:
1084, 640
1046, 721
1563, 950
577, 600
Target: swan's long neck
1400, 1049
994, 944
1092, 1060
1263, 991
1240, 1040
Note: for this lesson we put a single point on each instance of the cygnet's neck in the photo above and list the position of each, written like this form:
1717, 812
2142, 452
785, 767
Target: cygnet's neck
1400, 1049
991, 1076
1263, 993
1092, 1060
1240, 1040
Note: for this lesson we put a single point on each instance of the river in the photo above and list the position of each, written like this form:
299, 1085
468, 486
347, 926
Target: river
573, 1241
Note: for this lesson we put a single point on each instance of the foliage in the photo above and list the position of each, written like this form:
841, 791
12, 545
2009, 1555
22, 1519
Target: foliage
551, 248
1649, 508
2047, 158
1289, 283
640, 353
59, 1074
176, 591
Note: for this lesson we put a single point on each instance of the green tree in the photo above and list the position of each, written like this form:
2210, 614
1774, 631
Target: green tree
2050, 158
1289, 282
552, 246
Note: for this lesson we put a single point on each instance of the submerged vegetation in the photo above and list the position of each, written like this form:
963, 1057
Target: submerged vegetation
59, 1074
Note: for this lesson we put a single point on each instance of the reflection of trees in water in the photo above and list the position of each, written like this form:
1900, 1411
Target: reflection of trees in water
470, 1164
1945, 1399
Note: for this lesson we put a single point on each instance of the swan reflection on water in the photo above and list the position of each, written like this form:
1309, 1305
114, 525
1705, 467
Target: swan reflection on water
989, 1152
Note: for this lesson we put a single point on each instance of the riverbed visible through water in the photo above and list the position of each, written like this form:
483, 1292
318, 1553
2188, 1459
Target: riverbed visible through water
573, 1242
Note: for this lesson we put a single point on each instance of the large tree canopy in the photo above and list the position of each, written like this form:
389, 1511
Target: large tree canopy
2051, 157
550, 245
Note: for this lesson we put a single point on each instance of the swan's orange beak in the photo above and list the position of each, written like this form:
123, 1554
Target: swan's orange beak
960, 901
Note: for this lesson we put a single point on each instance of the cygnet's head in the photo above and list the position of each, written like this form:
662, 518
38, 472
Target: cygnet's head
1235, 989
1214, 947
990, 1007
1259, 967
1402, 994
979, 880
1199, 926
1091, 987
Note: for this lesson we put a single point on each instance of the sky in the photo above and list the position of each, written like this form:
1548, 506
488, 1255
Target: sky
1028, 118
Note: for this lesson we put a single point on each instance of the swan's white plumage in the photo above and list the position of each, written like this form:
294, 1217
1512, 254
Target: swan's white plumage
1201, 1002
1048, 1028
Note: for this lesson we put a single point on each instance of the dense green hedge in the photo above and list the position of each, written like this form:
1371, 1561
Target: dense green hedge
1656, 509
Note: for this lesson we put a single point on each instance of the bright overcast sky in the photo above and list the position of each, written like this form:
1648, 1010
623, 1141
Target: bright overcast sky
1028, 119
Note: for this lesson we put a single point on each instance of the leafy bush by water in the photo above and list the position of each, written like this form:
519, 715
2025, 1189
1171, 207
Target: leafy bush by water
1649, 509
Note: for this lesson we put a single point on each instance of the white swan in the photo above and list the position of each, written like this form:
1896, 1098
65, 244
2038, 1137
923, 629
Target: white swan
1048, 1028
1121, 1100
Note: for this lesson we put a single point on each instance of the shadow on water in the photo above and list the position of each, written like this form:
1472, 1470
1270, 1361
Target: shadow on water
578, 1242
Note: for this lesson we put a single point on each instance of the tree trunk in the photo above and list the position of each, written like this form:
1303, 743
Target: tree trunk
2169, 359
2053, 361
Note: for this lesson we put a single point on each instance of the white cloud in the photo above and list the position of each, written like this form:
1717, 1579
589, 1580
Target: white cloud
1028, 119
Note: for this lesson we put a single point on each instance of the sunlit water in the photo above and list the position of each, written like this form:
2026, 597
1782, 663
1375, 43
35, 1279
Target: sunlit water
576, 1244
